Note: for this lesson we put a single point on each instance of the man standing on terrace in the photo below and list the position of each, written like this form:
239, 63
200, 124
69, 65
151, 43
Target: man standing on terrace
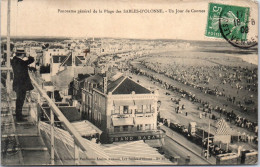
22, 81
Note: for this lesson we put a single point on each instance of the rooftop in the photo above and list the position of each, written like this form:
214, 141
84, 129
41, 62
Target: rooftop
96, 79
136, 153
127, 86
70, 112
122, 85
68, 61
58, 58
82, 77
86, 128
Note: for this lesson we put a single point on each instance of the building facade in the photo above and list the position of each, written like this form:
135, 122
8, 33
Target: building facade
78, 84
53, 50
123, 109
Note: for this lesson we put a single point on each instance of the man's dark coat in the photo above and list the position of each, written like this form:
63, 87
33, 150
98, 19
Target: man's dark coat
22, 80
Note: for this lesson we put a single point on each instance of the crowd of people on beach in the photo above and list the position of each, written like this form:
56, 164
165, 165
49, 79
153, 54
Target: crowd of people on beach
232, 82
205, 106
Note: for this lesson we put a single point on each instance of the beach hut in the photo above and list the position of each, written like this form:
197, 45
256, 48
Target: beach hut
223, 132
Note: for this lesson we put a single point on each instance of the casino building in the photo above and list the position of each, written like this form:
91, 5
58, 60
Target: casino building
122, 108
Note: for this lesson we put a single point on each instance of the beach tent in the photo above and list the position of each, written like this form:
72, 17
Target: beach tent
223, 132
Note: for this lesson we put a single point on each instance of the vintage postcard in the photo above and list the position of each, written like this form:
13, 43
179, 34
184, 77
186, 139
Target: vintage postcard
129, 82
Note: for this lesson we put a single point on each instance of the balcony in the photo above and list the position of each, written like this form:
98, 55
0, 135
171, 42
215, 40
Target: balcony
121, 116
144, 114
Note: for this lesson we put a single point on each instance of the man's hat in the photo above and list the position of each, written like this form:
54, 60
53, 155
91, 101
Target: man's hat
20, 50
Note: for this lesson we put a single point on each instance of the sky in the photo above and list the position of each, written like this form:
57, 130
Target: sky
41, 18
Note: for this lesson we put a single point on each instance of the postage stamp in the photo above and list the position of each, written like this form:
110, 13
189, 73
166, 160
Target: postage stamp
231, 23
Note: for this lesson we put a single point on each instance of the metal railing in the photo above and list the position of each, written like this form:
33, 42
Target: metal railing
91, 150
81, 146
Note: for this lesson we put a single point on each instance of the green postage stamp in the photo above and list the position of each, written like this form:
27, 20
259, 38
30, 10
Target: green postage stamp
231, 23
234, 17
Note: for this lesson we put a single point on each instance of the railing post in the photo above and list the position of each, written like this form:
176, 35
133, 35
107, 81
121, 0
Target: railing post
8, 82
52, 137
76, 153
29, 103
9, 103
37, 112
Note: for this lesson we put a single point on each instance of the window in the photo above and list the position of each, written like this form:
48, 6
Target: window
139, 109
90, 115
83, 97
125, 128
86, 99
117, 129
121, 108
86, 85
152, 110
147, 108
100, 99
125, 109
99, 117
116, 110
89, 101
139, 127
147, 126
89, 86
95, 98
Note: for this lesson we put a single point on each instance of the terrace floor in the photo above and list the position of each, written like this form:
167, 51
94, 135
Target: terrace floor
20, 141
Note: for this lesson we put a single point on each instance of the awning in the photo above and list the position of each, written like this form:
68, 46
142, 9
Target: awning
144, 102
85, 128
135, 152
123, 102
123, 121
144, 120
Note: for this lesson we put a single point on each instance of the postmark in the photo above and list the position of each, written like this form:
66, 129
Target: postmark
233, 23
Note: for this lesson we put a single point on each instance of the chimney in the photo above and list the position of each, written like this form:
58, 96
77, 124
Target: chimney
105, 83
